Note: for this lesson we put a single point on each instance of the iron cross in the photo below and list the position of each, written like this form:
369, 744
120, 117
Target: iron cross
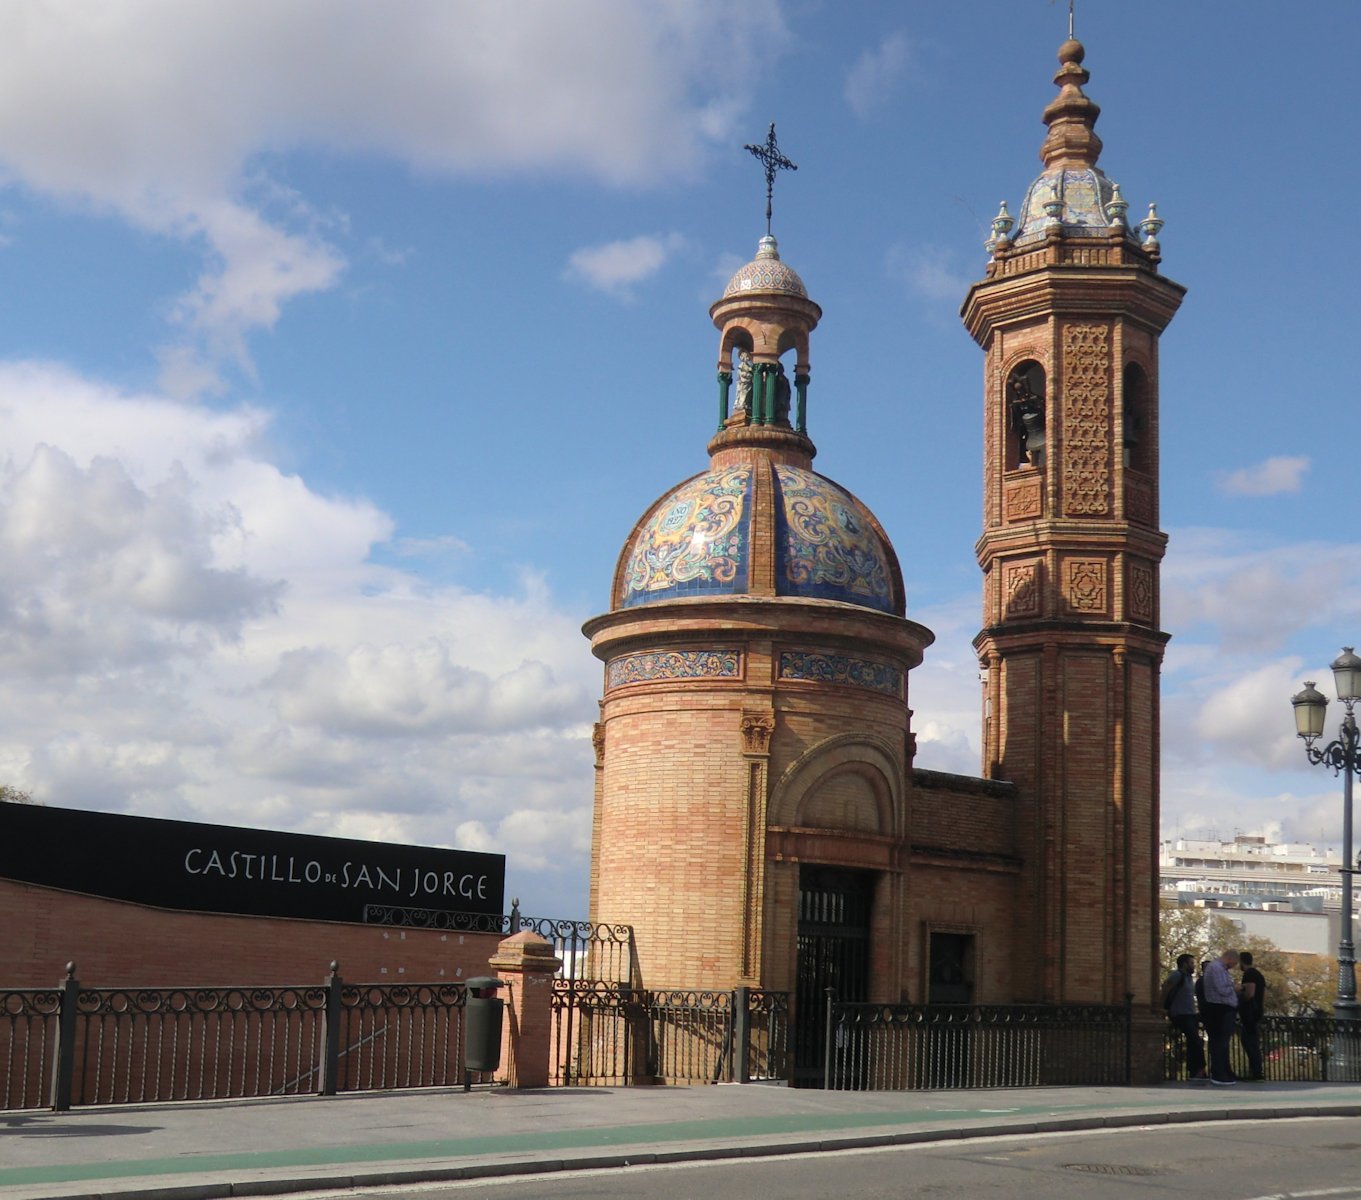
773, 161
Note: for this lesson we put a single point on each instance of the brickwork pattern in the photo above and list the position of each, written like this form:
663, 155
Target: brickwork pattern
1087, 420
115, 944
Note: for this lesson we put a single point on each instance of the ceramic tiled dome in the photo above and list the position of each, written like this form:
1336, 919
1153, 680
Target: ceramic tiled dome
1085, 193
699, 541
766, 273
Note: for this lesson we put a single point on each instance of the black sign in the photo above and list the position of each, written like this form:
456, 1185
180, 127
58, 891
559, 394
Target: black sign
224, 869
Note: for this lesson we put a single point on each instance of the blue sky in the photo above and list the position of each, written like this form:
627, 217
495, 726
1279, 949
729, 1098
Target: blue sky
342, 344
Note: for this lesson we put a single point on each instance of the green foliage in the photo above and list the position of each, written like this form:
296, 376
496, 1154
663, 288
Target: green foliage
1311, 987
1199, 932
1297, 985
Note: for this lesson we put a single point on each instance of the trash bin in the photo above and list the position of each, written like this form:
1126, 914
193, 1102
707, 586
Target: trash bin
482, 1017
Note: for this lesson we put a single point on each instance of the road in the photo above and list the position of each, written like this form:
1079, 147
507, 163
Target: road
1308, 1159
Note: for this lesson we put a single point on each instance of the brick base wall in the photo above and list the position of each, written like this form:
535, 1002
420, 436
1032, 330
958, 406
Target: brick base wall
114, 944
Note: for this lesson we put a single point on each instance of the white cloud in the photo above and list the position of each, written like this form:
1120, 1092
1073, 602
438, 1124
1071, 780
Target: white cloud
379, 690
161, 113
1246, 713
929, 271
872, 79
188, 631
1255, 595
1274, 477
616, 267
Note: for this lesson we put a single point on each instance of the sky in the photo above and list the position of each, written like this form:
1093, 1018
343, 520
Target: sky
342, 343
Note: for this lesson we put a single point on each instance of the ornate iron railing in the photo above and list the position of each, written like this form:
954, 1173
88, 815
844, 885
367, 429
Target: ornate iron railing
76, 1045
690, 1035
1294, 1049
610, 1034
588, 949
901, 1046
596, 1032
138, 1046
400, 1036
763, 1040
28, 1046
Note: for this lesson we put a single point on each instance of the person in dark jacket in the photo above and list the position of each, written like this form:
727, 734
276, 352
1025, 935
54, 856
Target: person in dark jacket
1251, 1006
1179, 999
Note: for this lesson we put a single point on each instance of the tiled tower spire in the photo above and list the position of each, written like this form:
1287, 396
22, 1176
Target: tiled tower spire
1069, 318
1071, 116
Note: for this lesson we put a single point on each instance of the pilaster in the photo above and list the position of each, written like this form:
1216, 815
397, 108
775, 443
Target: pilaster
527, 964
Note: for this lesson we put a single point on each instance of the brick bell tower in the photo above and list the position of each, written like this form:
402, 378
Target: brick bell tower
1069, 318
753, 749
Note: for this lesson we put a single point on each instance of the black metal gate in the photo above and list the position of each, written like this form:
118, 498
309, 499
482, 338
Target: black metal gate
834, 928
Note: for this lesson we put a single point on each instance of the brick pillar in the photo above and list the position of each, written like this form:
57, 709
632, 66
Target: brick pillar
527, 964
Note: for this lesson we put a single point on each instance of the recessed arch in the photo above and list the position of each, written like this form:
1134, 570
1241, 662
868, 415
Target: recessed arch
1025, 397
1137, 433
844, 765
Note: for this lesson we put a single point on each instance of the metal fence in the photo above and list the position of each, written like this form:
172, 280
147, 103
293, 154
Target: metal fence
74, 1045
1294, 1049
892, 1047
28, 1046
588, 949
610, 1034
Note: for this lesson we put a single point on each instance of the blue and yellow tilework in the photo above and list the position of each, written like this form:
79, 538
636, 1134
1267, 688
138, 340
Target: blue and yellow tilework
696, 542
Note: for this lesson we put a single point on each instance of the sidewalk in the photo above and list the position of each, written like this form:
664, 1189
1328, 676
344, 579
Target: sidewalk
275, 1147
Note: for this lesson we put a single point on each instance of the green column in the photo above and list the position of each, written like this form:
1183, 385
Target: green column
724, 383
801, 402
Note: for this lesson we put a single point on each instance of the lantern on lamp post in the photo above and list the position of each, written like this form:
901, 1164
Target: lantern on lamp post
1340, 755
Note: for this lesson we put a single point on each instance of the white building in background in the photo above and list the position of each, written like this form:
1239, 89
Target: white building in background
1288, 892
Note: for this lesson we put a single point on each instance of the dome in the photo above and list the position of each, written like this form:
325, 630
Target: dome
706, 539
1072, 195
1086, 195
766, 273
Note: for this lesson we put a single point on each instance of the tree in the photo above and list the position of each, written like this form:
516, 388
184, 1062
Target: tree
1199, 932
1312, 985
14, 795
1296, 984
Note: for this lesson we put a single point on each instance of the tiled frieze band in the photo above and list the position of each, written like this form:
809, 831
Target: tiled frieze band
815, 666
654, 665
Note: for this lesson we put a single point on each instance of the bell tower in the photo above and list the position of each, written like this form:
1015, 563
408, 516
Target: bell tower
1069, 316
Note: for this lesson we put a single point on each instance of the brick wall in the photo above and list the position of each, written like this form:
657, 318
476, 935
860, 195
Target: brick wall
114, 943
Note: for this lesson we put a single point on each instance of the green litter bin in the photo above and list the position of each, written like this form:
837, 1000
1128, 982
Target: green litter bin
482, 1018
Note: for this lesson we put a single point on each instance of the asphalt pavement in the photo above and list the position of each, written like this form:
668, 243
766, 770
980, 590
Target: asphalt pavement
206, 1150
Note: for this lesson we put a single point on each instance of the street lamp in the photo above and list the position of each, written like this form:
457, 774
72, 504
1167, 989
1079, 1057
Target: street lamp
1341, 756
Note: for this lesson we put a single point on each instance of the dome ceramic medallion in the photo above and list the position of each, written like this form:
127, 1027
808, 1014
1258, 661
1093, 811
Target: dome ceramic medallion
694, 543
827, 544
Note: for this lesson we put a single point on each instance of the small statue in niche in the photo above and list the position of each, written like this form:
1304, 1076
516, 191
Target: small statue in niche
743, 401
782, 393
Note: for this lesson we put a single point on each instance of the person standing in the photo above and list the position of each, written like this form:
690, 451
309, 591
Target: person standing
1251, 1007
1179, 999
1220, 1010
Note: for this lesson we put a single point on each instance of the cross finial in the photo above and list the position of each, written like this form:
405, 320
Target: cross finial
773, 161
1070, 18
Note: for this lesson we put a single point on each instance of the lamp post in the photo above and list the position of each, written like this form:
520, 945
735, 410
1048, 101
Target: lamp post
1340, 755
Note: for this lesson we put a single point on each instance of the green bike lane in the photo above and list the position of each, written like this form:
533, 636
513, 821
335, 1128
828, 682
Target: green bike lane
273, 1147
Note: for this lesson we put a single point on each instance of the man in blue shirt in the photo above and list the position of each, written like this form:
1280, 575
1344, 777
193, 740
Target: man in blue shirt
1220, 1012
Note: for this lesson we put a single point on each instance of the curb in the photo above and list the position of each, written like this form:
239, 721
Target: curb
389, 1177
